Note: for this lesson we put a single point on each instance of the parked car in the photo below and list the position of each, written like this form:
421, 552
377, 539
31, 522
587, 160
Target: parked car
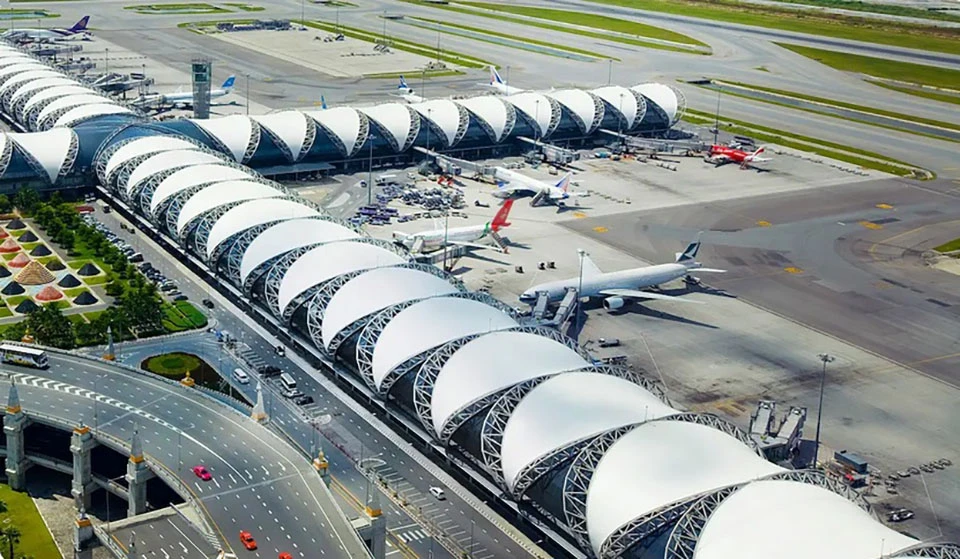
900, 515
268, 371
291, 394
180, 297
609, 342
303, 400
207, 303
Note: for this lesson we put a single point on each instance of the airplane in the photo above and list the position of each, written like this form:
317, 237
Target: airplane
618, 287
459, 236
511, 183
407, 94
497, 83
323, 102
53, 34
185, 98
721, 155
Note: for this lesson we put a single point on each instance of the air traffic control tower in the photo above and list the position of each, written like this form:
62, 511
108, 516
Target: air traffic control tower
202, 70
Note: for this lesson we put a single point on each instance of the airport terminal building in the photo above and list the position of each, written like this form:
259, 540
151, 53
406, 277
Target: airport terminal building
596, 450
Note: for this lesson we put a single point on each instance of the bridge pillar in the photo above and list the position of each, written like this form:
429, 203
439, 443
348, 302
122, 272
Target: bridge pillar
81, 443
322, 467
137, 475
378, 527
84, 540
14, 422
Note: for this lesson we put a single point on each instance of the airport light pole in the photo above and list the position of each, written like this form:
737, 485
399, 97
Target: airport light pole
370, 139
247, 93
581, 253
825, 358
716, 121
106, 61
536, 118
609, 71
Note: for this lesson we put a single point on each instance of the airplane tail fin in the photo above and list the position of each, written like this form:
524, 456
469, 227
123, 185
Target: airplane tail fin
323, 102
495, 76
403, 84
756, 153
228, 84
690, 253
80, 25
564, 183
500, 220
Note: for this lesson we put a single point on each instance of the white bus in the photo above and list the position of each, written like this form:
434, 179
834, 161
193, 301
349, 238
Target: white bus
287, 381
26, 356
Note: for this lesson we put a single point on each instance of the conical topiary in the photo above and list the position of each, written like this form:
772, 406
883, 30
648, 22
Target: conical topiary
85, 298
55, 265
12, 288
69, 281
26, 306
4, 273
34, 274
9, 245
48, 293
88, 269
3, 233
19, 261
40, 250
28, 237
15, 225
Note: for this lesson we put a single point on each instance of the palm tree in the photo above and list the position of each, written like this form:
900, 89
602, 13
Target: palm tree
3, 507
12, 535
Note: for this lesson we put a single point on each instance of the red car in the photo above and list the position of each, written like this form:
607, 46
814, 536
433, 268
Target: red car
202, 473
247, 539
284, 555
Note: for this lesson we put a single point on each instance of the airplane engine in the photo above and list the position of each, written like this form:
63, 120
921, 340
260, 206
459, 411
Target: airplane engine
613, 303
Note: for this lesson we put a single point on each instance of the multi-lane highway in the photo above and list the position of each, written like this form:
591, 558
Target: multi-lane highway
259, 482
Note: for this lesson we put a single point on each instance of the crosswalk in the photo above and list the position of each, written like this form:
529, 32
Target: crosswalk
411, 535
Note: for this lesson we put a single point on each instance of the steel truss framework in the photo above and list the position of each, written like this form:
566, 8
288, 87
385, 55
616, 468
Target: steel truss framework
175, 202
412, 132
577, 481
109, 147
362, 134
641, 111
172, 211
31, 118
681, 105
510, 122
52, 118
122, 174
426, 379
6, 154
334, 139
309, 136
197, 236
23, 96
555, 114
361, 323
491, 435
234, 257
683, 540
932, 550
252, 143
66, 165
372, 331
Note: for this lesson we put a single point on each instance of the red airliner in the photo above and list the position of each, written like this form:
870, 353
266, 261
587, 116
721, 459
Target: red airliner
721, 155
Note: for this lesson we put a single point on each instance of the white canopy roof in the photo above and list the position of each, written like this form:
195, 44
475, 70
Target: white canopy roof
67, 102
663, 95
444, 113
166, 160
536, 106
233, 132
568, 408
328, 261
253, 213
664, 462
25, 66
797, 520
428, 324
578, 102
85, 112
393, 118
375, 290
187, 178
490, 109
622, 100
14, 81
494, 362
343, 122
48, 148
220, 194
53, 93
288, 235
42, 83
10, 58
290, 127
143, 146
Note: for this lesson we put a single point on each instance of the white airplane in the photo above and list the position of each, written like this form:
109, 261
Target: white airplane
406, 92
186, 97
53, 34
511, 183
459, 236
618, 287
498, 84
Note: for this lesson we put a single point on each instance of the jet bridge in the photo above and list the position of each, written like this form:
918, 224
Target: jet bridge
660, 145
551, 153
776, 440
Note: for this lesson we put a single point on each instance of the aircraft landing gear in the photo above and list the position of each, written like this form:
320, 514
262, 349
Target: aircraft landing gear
691, 280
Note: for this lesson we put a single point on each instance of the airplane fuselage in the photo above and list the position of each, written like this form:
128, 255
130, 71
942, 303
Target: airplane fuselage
435, 239
636, 278
188, 97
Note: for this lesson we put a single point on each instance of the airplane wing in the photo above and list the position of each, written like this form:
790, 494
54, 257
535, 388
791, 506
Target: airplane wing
635, 294
709, 270
475, 245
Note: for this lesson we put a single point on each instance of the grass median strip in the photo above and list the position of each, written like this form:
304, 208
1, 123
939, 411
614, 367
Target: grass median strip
641, 35
920, 92
814, 22
840, 152
877, 8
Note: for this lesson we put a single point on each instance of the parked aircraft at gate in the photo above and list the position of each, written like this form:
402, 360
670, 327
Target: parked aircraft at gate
185, 98
618, 287
53, 34
500, 85
468, 236
511, 183
721, 155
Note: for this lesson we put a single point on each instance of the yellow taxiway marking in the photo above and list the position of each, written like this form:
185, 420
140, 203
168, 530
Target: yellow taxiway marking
932, 359
763, 223
884, 206
871, 225
579, 215
792, 270
600, 229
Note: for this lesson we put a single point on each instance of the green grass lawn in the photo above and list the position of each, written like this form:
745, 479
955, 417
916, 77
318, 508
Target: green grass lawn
882, 68
95, 280
17, 233
76, 318
92, 315
177, 8
12, 302
5, 312
244, 7
182, 315
949, 247
174, 366
923, 37
925, 93
35, 539
75, 292
429, 75
27, 247
10, 255
875, 8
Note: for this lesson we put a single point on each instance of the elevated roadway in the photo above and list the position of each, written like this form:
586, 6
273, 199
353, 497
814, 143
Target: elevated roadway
260, 483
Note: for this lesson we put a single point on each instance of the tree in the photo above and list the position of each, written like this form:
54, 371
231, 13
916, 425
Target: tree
3, 507
11, 534
5, 204
15, 331
114, 289
44, 215
26, 200
49, 325
67, 239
